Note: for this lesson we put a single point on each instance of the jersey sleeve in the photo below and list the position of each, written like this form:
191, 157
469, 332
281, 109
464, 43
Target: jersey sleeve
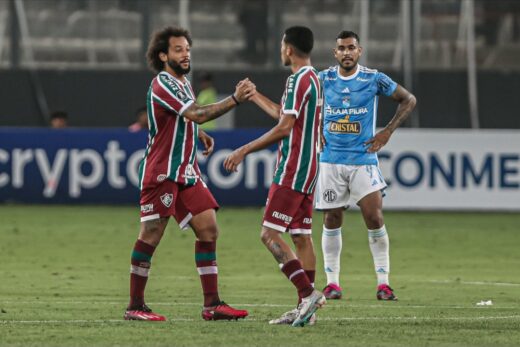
170, 95
321, 76
295, 91
385, 85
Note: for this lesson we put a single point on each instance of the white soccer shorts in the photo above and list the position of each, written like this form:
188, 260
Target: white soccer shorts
338, 183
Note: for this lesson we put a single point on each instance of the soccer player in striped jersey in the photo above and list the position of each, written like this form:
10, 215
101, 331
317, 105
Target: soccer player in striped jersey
289, 204
169, 176
349, 168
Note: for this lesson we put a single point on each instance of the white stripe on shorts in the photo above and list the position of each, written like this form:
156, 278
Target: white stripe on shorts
151, 217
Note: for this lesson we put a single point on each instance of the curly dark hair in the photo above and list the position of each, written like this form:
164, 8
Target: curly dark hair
160, 42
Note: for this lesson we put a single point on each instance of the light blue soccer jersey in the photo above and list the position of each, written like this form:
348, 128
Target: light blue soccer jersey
350, 111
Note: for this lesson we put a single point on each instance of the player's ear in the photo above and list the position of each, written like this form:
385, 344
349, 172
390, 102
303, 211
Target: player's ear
163, 57
289, 50
360, 51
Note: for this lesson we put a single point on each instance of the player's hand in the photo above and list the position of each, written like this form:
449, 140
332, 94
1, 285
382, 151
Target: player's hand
378, 141
207, 141
244, 90
233, 160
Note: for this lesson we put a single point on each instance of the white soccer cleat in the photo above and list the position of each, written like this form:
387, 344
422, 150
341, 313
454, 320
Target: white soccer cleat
289, 317
308, 307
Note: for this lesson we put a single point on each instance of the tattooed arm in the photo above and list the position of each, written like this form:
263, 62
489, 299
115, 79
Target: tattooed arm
202, 114
407, 103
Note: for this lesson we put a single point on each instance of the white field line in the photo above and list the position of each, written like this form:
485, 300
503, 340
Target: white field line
329, 319
335, 305
477, 283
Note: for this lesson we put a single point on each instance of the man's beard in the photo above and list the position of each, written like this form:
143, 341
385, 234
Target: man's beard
348, 68
178, 68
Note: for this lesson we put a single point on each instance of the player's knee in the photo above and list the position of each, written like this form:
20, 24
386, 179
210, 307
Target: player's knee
152, 227
207, 234
332, 219
266, 236
374, 220
301, 241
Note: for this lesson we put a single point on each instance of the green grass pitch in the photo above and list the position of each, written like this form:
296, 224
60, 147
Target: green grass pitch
64, 282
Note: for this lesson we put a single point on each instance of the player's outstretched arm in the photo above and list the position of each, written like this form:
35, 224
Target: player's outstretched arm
281, 130
407, 103
244, 90
269, 107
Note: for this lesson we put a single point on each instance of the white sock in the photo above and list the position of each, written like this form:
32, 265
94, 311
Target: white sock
331, 243
379, 246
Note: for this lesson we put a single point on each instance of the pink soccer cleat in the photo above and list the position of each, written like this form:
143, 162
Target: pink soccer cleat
143, 312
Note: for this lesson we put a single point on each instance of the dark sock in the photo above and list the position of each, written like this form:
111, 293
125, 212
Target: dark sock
206, 261
295, 273
140, 266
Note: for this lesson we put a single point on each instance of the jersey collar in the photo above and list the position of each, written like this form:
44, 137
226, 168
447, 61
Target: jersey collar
349, 77
303, 68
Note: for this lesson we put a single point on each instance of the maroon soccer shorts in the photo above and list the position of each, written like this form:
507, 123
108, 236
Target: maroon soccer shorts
287, 209
171, 199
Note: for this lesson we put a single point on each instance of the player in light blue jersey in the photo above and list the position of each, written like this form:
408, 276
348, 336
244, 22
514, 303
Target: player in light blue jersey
348, 163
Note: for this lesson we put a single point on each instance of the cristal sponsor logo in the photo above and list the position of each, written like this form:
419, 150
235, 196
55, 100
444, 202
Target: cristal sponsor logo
161, 177
147, 208
167, 199
307, 220
362, 79
345, 126
281, 216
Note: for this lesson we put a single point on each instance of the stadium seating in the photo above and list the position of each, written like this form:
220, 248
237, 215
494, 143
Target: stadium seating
108, 35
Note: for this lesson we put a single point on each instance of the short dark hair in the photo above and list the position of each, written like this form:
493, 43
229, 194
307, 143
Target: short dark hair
345, 34
59, 115
160, 42
301, 38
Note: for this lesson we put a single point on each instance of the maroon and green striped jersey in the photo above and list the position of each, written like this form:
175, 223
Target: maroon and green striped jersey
172, 140
297, 164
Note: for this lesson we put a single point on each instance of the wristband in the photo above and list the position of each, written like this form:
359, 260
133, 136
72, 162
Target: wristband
235, 99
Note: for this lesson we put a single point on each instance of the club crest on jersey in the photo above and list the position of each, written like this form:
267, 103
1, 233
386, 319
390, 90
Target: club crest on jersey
167, 199
345, 126
346, 101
